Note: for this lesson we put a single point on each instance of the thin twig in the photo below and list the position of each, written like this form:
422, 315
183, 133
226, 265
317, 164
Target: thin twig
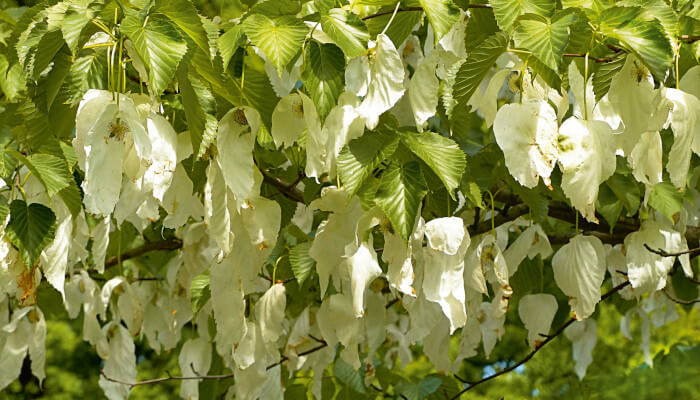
548, 339
408, 9
197, 376
287, 190
679, 301
169, 244
664, 253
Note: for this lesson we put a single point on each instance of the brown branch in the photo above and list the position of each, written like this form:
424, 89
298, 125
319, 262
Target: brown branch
689, 38
596, 59
414, 9
548, 339
679, 301
287, 190
664, 253
224, 376
168, 244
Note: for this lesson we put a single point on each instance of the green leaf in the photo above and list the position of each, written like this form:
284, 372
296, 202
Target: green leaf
279, 38
199, 291
78, 15
477, 65
665, 199
229, 43
545, 38
323, 75
8, 164
72, 199
87, 72
347, 30
256, 87
626, 190
185, 16
51, 171
160, 46
507, 11
31, 228
400, 27
646, 39
608, 205
480, 26
420, 390
442, 14
302, 263
604, 74
4, 209
348, 376
441, 154
361, 156
200, 109
401, 189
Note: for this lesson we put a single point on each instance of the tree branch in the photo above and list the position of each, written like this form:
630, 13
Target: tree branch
287, 190
168, 244
548, 339
389, 12
197, 376
679, 301
664, 253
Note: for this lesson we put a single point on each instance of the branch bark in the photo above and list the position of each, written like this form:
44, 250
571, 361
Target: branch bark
197, 376
548, 338
168, 244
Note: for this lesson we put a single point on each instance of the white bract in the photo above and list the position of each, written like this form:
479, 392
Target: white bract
579, 269
527, 134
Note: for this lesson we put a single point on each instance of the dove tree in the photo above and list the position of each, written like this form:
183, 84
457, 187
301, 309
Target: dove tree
329, 189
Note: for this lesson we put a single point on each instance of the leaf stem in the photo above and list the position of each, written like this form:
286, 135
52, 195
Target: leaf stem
392, 17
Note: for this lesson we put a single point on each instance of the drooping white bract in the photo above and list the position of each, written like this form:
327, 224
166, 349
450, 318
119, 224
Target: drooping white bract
179, 201
269, 311
576, 82
587, 159
288, 120
316, 141
537, 313
216, 210
641, 107
108, 131
362, 268
685, 124
527, 134
163, 158
690, 82
333, 234
579, 270
119, 361
648, 271
338, 324
54, 258
491, 326
488, 102
194, 359
358, 75
531, 242
423, 89
24, 334
343, 123
644, 327
583, 336
228, 303
397, 255
235, 140
443, 265
385, 86
537, 89
100, 241
646, 159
